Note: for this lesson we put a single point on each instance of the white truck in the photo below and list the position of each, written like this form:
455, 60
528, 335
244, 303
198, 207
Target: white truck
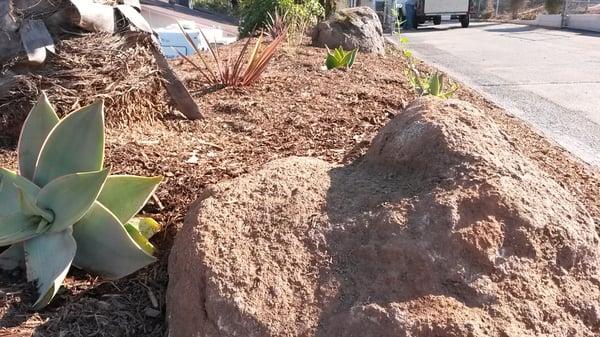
433, 10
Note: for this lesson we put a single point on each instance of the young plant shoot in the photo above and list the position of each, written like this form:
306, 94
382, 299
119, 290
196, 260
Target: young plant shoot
340, 58
433, 85
63, 208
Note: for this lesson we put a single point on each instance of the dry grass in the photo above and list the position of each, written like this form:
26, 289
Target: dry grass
117, 69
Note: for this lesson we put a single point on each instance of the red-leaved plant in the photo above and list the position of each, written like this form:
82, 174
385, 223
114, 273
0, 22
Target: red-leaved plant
233, 72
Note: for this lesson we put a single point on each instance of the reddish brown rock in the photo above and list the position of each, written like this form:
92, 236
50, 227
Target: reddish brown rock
441, 229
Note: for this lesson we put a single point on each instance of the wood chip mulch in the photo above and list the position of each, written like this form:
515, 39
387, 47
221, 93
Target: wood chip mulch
297, 109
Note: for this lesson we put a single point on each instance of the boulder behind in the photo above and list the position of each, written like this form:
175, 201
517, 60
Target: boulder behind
350, 28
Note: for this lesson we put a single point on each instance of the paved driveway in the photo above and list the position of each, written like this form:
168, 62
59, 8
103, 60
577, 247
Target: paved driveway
549, 78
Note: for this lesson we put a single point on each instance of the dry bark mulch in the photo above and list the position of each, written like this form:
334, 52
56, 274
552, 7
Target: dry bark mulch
296, 109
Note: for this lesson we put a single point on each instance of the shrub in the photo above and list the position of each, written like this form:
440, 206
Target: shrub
64, 209
231, 72
553, 6
254, 14
219, 6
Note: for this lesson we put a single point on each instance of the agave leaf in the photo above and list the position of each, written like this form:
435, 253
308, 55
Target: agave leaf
330, 62
13, 257
30, 208
48, 258
71, 196
38, 124
125, 195
139, 238
145, 225
104, 246
434, 85
17, 227
9, 193
352, 57
76, 144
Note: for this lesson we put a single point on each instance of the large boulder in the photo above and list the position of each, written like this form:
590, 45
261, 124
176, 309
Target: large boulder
351, 28
441, 229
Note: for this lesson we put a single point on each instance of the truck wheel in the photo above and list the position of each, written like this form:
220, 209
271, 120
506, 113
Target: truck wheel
437, 20
464, 21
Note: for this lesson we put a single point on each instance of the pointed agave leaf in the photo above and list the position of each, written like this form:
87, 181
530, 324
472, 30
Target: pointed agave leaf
434, 85
9, 193
71, 196
125, 195
30, 208
17, 228
40, 121
330, 62
352, 57
346, 60
139, 238
13, 257
104, 246
145, 225
76, 144
48, 258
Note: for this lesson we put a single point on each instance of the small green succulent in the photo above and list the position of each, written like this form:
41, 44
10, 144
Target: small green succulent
65, 209
340, 58
430, 85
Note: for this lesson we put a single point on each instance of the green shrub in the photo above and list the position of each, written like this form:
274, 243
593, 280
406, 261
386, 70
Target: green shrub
254, 14
220, 6
553, 6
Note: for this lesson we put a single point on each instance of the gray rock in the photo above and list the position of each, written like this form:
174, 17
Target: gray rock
350, 28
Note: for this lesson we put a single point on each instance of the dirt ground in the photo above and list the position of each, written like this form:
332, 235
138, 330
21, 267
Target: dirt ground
296, 109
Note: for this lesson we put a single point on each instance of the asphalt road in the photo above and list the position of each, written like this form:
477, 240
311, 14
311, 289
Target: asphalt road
549, 78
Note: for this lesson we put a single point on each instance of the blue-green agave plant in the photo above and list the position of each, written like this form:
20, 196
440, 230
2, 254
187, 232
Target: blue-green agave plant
65, 209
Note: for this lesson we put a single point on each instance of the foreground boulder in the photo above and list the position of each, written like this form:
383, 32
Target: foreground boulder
441, 229
351, 28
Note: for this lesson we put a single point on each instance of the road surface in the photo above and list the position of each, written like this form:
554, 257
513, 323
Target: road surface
549, 78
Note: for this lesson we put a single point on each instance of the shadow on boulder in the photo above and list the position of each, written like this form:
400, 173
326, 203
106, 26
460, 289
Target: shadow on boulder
442, 228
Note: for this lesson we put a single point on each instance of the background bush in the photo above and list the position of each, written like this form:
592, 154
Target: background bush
220, 6
553, 6
300, 13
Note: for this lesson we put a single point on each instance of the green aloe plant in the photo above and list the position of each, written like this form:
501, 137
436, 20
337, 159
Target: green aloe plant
65, 209
340, 58
433, 84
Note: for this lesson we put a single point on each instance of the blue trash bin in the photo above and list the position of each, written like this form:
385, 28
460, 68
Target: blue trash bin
409, 22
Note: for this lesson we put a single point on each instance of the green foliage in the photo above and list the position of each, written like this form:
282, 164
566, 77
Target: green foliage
553, 6
340, 58
219, 6
64, 209
433, 85
254, 14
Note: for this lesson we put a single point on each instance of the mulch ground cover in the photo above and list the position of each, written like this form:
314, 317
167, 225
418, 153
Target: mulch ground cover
296, 109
